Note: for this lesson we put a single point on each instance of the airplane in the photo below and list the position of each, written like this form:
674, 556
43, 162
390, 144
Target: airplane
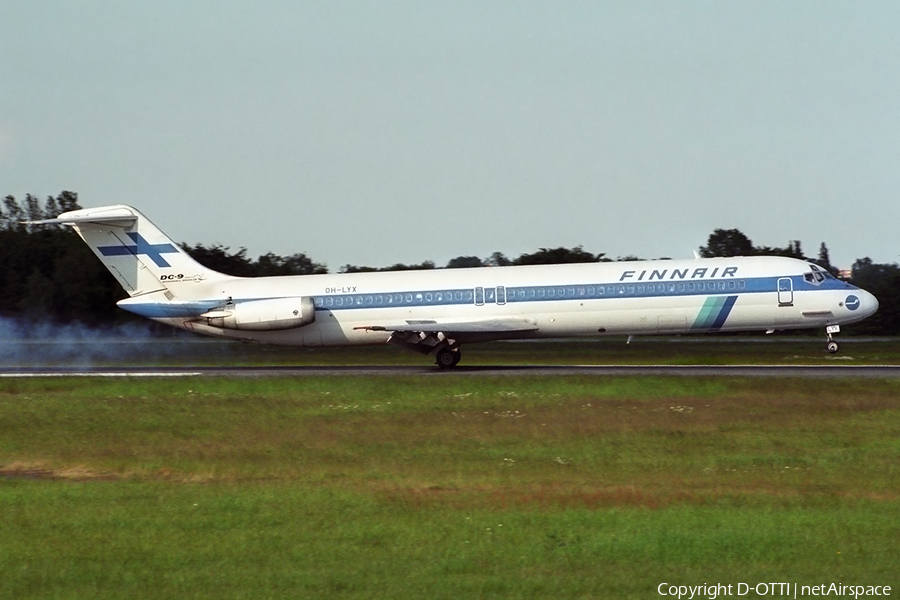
435, 312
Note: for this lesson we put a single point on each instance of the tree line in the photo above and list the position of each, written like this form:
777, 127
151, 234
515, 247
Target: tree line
48, 274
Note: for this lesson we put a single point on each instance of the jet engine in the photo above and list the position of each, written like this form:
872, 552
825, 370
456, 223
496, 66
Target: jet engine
263, 315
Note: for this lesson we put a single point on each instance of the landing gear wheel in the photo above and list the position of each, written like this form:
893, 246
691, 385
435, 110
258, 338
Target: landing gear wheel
447, 358
831, 347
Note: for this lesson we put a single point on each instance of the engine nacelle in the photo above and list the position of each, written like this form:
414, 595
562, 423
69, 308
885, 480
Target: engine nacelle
264, 315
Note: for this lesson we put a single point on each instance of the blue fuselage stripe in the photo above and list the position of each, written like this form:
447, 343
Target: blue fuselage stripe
724, 312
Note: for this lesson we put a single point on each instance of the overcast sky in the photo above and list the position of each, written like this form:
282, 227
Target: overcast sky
372, 133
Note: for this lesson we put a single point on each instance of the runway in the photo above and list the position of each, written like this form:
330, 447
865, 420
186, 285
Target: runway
785, 371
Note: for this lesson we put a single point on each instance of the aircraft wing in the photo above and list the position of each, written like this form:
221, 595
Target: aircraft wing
507, 325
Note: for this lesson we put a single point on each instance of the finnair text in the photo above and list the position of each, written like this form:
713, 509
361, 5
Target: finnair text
670, 274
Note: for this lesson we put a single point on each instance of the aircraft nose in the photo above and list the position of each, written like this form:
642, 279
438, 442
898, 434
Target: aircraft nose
868, 303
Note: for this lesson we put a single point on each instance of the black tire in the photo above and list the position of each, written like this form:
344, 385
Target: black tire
832, 347
447, 358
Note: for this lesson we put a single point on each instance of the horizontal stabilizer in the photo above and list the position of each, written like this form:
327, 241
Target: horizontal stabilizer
106, 216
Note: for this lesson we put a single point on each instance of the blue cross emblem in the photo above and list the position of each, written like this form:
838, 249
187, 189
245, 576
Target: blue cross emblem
154, 251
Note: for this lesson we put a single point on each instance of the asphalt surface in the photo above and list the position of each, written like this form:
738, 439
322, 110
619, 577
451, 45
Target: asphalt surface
845, 371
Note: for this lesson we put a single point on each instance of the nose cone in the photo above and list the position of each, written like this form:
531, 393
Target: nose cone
860, 304
868, 304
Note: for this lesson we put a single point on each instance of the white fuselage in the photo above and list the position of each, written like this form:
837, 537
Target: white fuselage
597, 299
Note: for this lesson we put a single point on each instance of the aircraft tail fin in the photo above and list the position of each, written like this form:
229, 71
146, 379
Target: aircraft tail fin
140, 256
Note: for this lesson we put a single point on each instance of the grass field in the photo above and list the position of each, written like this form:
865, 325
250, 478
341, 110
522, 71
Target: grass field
458, 487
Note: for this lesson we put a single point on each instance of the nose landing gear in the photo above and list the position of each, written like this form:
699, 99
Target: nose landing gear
831, 346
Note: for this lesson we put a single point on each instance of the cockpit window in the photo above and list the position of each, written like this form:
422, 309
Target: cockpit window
817, 275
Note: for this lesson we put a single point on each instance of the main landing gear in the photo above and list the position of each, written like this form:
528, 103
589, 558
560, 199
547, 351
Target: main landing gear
447, 357
445, 350
831, 346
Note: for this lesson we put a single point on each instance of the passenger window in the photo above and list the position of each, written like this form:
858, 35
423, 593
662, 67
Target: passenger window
680, 287
741, 284
318, 302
